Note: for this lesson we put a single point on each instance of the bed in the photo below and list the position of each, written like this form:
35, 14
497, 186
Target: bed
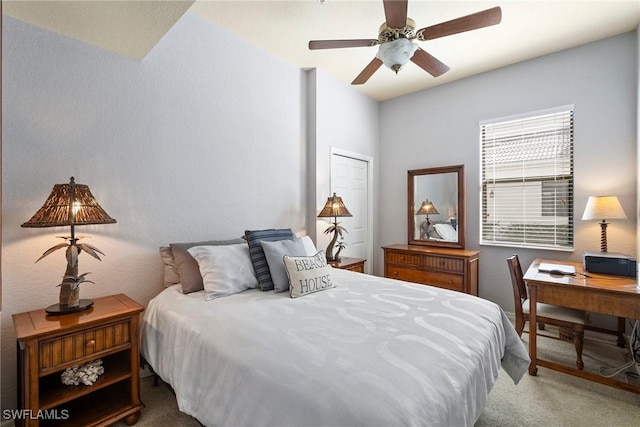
369, 351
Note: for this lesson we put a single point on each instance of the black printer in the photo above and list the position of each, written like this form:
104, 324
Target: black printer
610, 263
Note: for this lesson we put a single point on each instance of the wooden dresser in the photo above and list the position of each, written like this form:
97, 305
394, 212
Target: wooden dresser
455, 269
47, 345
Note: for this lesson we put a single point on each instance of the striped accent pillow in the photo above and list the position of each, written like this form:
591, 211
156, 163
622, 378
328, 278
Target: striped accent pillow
258, 258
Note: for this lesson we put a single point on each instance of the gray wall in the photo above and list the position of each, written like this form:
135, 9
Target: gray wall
204, 138
439, 127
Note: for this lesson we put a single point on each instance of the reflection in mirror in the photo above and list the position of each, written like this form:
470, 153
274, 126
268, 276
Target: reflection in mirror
436, 210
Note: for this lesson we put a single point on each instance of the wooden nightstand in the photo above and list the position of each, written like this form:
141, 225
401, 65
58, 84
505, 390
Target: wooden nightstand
353, 264
47, 345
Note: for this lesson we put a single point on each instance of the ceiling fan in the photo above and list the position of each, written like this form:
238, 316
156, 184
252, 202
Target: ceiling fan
396, 36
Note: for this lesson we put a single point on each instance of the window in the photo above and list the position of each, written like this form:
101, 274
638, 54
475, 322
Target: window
527, 180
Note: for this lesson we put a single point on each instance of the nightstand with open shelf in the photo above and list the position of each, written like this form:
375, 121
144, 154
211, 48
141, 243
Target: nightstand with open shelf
47, 345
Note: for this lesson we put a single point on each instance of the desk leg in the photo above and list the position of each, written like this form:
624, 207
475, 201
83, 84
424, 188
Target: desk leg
621, 342
533, 298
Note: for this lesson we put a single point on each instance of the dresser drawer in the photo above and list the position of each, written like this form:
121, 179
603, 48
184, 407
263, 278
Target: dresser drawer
454, 265
455, 269
442, 280
58, 352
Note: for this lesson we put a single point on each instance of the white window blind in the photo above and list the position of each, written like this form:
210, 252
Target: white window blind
527, 181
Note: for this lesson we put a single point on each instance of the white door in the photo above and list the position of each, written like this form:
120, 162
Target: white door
350, 180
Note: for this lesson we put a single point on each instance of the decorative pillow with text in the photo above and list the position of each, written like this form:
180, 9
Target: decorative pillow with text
308, 274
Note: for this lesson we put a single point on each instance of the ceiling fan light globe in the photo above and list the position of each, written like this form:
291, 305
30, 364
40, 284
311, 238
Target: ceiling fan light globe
396, 53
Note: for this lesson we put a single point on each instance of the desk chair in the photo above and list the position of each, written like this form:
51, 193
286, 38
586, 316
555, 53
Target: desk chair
567, 318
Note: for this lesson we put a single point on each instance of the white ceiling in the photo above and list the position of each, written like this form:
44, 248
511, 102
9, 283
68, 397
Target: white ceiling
528, 29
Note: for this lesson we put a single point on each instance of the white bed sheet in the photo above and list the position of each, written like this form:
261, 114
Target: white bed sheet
371, 352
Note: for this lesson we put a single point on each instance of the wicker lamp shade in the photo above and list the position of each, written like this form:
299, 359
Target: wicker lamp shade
69, 204
427, 208
334, 208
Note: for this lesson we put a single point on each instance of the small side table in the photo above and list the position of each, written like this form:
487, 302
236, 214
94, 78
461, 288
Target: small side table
352, 264
47, 345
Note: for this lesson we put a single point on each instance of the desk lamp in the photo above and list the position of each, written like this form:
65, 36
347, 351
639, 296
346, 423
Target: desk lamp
603, 208
70, 204
334, 208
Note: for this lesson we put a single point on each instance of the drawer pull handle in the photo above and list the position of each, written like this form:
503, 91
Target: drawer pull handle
91, 343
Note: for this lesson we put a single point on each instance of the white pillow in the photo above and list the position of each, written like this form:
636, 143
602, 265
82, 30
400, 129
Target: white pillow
309, 246
275, 251
225, 270
447, 232
308, 274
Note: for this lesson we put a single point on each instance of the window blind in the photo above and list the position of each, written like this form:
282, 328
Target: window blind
527, 181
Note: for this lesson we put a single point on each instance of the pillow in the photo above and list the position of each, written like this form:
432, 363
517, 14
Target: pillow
308, 274
225, 270
274, 251
259, 261
171, 276
188, 270
309, 246
447, 232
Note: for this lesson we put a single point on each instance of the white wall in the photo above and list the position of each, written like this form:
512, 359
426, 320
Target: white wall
341, 118
200, 140
439, 127
204, 138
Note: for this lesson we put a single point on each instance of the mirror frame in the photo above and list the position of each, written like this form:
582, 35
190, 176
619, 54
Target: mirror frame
412, 175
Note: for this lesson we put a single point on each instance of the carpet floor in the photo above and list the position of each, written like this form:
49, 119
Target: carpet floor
550, 399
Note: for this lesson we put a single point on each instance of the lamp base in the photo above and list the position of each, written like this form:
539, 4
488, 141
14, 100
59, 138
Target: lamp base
58, 309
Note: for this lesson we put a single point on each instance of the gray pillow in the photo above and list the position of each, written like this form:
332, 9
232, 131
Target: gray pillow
275, 252
187, 266
171, 276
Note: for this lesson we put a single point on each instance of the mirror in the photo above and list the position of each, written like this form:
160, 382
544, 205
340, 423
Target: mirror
436, 206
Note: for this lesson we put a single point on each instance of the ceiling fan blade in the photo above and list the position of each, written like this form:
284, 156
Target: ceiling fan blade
474, 21
367, 72
395, 12
429, 63
334, 44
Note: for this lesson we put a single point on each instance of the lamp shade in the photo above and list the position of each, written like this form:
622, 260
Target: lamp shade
427, 208
602, 208
69, 204
334, 208
396, 53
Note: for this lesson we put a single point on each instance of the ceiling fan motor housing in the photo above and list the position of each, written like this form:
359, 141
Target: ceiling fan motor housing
387, 34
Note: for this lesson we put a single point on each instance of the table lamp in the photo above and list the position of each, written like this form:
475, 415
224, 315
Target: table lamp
603, 208
334, 208
70, 204
427, 209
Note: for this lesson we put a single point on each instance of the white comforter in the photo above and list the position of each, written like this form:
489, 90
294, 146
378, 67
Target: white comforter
371, 352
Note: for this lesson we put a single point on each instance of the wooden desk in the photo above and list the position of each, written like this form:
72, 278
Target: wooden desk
599, 293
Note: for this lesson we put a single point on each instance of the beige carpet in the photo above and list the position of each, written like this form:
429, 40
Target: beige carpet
551, 399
